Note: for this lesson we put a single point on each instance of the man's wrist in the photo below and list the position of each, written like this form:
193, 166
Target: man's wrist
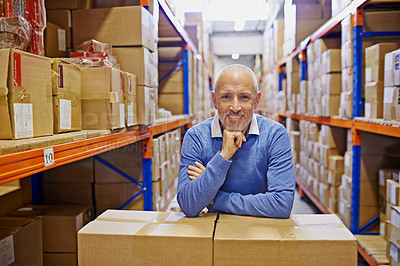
226, 157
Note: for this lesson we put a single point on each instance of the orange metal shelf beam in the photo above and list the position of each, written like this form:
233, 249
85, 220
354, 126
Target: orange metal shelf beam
387, 130
21, 164
345, 123
156, 129
365, 255
313, 199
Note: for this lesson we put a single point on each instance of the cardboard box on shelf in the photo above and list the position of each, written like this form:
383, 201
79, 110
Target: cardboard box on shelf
68, 4
55, 44
394, 230
130, 93
330, 105
391, 106
102, 98
146, 105
11, 198
293, 83
381, 20
347, 29
389, 66
72, 193
161, 231
25, 99
238, 238
66, 96
63, 19
331, 83
322, 45
374, 100
333, 137
336, 163
77, 172
139, 61
346, 105
392, 192
374, 60
21, 240
119, 26
60, 224
331, 61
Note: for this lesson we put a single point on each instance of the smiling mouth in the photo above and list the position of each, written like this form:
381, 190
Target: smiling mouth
234, 117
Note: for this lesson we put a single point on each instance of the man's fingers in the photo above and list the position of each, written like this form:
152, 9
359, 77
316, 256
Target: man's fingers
193, 173
192, 177
195, 169
199, 165
244, 138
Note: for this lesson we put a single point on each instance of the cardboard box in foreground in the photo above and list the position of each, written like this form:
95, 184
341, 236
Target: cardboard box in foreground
146, 238
299, 240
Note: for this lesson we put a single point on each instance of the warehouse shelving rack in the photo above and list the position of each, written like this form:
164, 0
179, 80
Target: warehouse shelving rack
357, 127
22, 164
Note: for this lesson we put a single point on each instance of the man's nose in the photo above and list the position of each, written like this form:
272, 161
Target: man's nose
235, 105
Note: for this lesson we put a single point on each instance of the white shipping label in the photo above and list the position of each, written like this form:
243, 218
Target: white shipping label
381, 180
388, 94
65, 114
7, 251
79, 221
368, 74
330, 177
368, 110
394, 253
122, 115
130, 114
393, 195
395, 219
23, 120
62, 43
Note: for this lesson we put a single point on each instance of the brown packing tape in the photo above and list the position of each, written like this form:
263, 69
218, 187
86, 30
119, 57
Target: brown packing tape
20, 95
74, 97
113, 97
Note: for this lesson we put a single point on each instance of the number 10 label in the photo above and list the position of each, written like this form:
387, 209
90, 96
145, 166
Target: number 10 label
48, 157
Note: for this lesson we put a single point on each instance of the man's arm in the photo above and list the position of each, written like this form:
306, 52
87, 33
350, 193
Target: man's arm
278, 200
194, 195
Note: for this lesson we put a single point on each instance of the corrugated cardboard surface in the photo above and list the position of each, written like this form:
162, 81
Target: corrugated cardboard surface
30, 84
66, 84
119, 26
146, 238
139, 61
299, 240
81, 171
146, 105
69, 4
130, 93
63, 19
27, 238
60, 224
102, 98
60, 259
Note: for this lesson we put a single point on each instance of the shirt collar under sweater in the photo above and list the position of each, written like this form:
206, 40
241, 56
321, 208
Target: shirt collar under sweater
217, 132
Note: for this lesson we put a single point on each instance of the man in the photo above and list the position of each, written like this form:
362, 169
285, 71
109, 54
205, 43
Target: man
237, 162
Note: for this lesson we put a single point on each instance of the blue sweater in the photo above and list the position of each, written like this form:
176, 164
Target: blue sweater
259, 179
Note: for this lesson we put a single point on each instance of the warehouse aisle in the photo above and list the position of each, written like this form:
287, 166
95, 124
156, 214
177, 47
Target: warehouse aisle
303, 206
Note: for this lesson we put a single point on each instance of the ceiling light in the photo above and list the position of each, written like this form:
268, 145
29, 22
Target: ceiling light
235, 56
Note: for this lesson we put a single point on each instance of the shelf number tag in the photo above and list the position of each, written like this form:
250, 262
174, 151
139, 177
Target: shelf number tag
48, 157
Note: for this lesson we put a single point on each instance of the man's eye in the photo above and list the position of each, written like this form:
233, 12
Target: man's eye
245, 97
225, 97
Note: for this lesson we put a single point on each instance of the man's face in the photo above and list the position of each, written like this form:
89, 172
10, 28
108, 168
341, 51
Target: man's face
235, 99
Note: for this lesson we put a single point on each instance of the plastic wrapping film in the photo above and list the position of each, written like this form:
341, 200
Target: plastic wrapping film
94, 46
15, 32
94, 59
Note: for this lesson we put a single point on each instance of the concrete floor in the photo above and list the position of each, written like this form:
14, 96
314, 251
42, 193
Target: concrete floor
303, 206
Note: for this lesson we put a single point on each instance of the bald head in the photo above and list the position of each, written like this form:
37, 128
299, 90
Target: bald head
234, 69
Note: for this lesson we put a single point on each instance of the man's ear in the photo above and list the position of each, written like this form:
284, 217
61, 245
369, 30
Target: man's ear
257, 100
214, 98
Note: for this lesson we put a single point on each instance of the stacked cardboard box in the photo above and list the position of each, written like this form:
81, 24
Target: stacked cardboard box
25, 95
66, 96
130, 99
388, 186
374, 78
166, 159
330, 82
292, 83
58, 229
21, 241
301, 19
212, 240
133, 44
391, 106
